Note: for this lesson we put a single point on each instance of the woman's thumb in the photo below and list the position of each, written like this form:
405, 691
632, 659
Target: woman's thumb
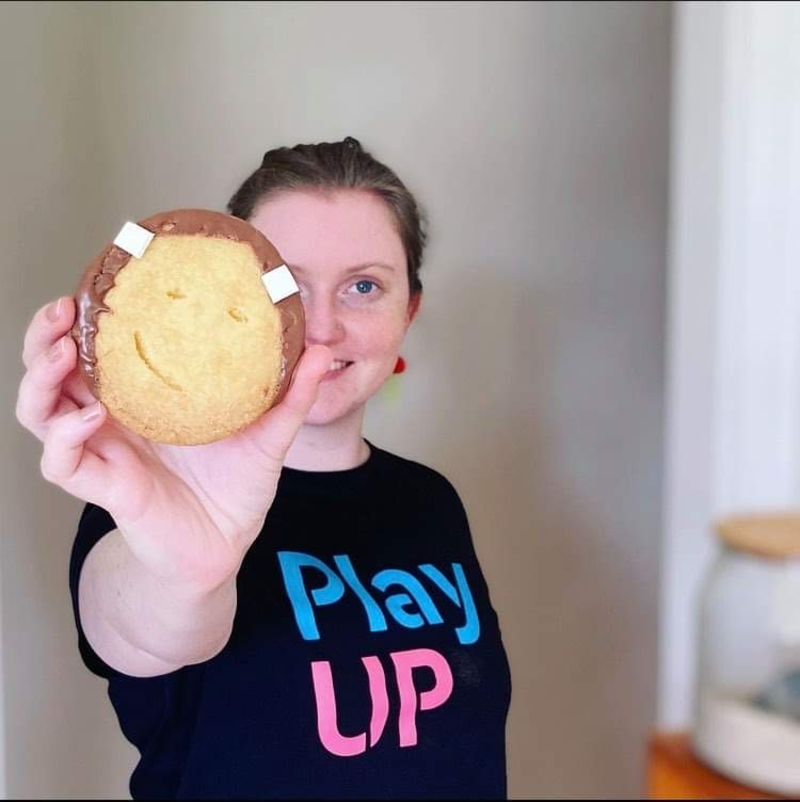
277, 428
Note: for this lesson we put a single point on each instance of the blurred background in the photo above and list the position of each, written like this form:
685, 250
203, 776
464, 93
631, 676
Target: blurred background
607, 356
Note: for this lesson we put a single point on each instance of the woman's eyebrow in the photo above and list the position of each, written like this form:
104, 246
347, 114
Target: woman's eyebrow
354, 269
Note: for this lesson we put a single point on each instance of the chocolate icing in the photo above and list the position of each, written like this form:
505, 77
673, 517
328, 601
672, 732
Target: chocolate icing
99, 278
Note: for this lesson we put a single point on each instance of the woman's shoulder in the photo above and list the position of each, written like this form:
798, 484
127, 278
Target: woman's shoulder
412, 471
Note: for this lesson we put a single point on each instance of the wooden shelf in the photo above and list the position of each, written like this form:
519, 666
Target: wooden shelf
674, 772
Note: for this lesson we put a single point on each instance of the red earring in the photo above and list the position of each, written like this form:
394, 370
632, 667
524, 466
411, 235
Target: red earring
400, 366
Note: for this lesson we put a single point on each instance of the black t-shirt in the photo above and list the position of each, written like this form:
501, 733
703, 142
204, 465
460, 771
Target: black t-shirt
365, 660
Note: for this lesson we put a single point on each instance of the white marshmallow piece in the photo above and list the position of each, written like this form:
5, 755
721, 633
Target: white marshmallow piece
134, 239
280, 283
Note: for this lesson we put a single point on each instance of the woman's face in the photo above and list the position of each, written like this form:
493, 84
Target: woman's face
348, 260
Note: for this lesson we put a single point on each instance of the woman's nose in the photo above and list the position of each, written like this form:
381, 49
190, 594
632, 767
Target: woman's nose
323, 324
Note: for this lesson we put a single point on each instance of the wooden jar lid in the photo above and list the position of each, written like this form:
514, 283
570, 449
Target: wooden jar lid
775, 536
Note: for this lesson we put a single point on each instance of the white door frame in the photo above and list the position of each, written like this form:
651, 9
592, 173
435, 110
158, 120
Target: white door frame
732, 436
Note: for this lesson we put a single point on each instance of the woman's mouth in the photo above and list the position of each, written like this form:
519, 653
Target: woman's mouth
338, 366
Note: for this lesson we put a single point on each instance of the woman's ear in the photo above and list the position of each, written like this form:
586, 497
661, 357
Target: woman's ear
413, 305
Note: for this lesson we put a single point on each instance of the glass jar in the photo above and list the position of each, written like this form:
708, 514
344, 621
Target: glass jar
747, 705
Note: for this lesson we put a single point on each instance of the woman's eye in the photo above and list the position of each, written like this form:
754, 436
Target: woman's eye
364, 286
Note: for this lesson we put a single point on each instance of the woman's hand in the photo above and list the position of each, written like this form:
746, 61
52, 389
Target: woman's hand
188, 513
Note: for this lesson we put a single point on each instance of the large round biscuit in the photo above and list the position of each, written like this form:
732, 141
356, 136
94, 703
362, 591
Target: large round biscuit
184, 345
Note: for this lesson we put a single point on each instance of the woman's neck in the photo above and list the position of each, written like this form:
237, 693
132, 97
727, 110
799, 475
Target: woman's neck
336, 446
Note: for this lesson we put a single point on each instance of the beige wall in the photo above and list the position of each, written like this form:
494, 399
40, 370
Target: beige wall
536, 136
60, 737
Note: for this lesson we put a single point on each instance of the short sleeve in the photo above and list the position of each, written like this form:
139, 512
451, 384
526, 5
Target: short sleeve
455, 520
94, 523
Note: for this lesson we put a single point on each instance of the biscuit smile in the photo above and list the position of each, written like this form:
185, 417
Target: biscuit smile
143, 356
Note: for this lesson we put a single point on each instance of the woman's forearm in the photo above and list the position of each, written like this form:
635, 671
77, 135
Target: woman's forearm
142, 628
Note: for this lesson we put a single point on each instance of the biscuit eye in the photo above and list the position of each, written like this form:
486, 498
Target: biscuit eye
175, 294
237, 315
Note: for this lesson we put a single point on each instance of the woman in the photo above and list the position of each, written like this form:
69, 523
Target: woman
292, 611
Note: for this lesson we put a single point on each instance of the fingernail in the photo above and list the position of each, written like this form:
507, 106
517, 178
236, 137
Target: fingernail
54, 310
93, 412
56, 350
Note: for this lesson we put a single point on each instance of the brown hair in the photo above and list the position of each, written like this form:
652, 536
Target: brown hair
330, 166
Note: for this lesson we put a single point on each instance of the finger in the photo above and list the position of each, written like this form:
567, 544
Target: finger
277, 429
68, 463
49, 323
40, 390
76, 389
129, 478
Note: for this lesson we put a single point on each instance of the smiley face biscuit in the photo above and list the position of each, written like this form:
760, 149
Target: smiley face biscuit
188, 327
